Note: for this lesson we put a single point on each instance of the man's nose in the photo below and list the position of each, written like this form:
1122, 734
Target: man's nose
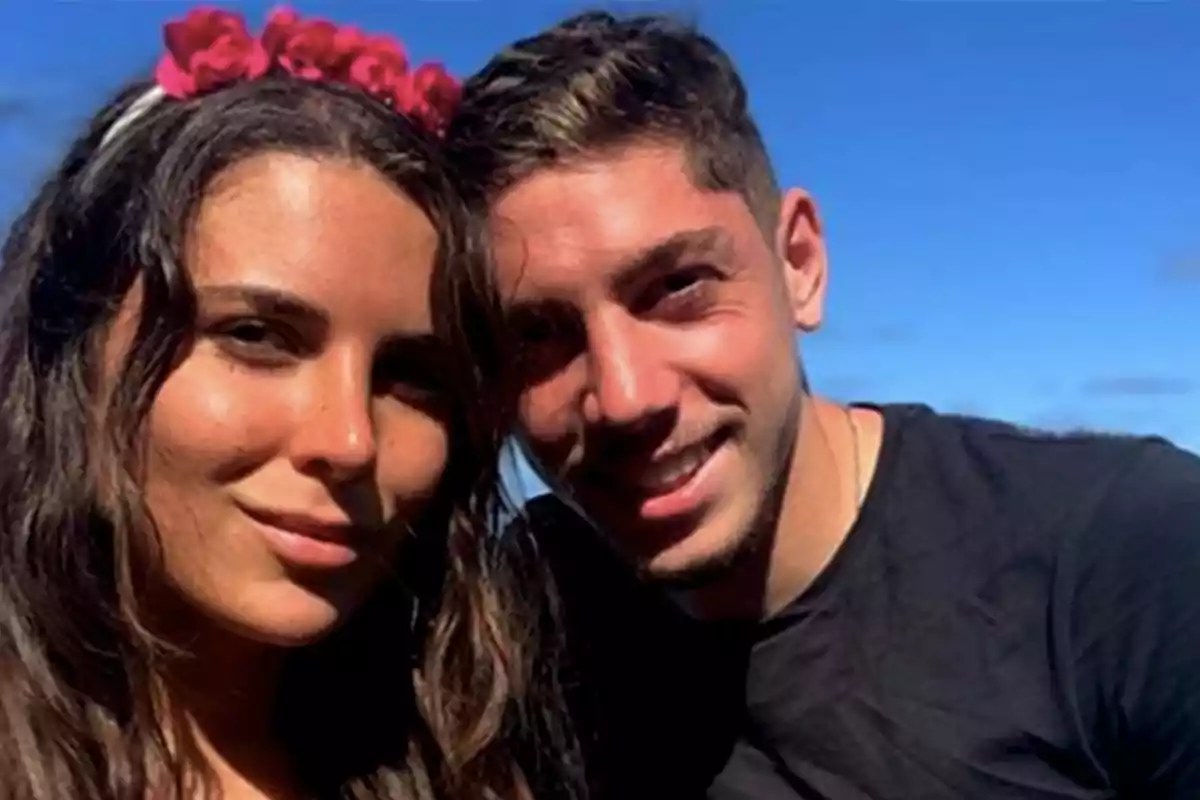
630, 383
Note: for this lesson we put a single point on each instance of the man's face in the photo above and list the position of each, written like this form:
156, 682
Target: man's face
658, 370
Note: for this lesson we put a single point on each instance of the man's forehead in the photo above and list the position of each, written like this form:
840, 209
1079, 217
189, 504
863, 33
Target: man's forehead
625, 194
573, 228
591, 237
617, 232
572, 273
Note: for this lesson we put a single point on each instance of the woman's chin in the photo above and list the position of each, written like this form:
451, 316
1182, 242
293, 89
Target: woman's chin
283, 617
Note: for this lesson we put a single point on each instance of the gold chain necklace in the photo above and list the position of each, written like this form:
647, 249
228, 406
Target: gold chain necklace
858, 476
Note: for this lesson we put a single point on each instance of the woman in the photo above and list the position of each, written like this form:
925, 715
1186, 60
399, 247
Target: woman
243, 540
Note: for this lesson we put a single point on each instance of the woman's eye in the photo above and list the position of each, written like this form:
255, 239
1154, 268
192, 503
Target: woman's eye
249, 333
258, 341
410, 377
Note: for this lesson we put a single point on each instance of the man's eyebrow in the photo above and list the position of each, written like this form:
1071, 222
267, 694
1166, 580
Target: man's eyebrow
669, 251
657, 258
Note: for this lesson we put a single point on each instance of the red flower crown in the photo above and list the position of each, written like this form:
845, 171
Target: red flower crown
211, 48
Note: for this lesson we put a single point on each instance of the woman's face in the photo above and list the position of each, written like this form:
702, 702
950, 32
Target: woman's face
303, 432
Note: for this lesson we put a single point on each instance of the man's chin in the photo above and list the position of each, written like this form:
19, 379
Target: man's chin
693, 564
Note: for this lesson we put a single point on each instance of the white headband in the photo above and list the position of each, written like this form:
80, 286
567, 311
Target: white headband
136, 109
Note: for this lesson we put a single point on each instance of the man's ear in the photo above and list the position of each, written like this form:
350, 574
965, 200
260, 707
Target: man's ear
800, 247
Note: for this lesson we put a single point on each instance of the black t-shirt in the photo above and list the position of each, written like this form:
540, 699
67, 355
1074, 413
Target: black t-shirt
1014, 615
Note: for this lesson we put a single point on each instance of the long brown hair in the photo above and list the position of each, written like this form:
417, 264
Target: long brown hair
422, 693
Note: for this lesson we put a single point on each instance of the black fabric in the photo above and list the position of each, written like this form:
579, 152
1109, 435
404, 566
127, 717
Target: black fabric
1015, 615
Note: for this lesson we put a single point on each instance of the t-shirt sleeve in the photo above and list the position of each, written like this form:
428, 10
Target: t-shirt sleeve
1136, 627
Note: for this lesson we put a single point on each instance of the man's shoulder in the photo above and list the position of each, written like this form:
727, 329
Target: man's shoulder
1011, 438
1090, 496
1012, 461
1147, 524
1126, 602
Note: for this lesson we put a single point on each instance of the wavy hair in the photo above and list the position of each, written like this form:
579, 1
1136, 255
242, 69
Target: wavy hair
427, 691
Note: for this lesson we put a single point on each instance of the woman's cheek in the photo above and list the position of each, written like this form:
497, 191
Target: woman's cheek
213, 418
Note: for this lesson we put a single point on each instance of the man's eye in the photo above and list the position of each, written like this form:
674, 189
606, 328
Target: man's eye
406, 376
678, 291
535, 331
680, 282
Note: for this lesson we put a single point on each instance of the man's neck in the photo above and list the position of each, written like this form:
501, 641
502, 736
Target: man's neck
832, 464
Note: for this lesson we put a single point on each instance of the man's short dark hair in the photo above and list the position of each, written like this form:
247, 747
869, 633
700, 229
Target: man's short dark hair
598, 82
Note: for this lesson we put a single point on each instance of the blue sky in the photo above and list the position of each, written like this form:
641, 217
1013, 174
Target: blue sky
1011, 189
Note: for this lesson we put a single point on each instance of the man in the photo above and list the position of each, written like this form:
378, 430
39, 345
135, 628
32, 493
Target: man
888, 602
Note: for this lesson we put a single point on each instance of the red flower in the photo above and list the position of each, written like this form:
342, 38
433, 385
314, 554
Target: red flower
305, 48
209, 49
430, 95
206, 49
375, 64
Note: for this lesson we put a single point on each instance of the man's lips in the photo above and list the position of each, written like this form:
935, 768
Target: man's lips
659, 475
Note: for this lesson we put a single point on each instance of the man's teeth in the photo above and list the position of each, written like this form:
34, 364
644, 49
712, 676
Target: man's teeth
672, 472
